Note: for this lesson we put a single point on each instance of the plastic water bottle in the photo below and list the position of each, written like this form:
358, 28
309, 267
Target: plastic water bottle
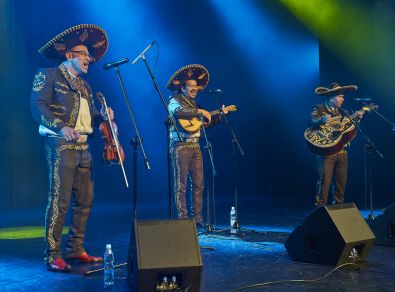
232, 220
108, 266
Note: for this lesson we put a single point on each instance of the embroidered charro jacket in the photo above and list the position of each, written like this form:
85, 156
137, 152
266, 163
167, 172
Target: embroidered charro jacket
321, 110
182, 107
55, 98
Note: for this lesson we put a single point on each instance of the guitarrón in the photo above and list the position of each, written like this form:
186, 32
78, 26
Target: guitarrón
330, 138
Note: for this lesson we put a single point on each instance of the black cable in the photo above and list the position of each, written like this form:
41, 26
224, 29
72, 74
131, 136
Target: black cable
295, 281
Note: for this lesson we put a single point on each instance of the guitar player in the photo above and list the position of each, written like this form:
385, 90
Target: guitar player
186, 154
333, 167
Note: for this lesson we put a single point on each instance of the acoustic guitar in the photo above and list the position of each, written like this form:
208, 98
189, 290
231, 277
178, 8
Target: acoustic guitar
330, 138
194, 124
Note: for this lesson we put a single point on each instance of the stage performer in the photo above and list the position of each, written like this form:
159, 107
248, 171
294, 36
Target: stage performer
186, 154
332, 167
62, 103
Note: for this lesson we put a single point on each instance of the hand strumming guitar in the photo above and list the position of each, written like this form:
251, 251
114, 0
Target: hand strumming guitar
206, 115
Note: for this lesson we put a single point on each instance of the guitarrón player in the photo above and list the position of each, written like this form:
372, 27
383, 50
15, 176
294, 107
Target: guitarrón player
333, 166
186, 155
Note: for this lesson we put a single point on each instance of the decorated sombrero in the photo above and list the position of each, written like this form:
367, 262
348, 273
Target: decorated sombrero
194, 71
90, 35
335, 89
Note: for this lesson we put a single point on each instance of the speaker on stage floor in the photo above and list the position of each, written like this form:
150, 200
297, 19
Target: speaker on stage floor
331, 235
164, 254
383, 226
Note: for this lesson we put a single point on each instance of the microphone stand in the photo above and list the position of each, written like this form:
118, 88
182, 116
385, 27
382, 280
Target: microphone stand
209, 228
235, 145
236, 148
170, 123
169, 176
368, 151
382, 117
135, 142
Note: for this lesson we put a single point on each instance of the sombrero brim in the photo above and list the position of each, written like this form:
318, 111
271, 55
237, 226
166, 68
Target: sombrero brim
194, 71
90, 35
335, 91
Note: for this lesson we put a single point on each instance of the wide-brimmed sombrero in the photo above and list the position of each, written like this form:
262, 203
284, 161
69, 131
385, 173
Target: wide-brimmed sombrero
194, 71
335, 89
90, 35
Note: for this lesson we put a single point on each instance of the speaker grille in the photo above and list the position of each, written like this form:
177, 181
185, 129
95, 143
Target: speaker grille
162, 244
331, 235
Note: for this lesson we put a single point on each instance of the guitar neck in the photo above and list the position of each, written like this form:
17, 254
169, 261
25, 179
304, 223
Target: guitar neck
355, 114
366, 108
216, 112
229, 108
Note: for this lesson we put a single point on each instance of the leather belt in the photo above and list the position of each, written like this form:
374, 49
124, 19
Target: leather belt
188, 140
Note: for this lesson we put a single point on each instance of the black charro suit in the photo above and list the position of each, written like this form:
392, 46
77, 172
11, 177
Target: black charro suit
55, 103
187, 160
330, 168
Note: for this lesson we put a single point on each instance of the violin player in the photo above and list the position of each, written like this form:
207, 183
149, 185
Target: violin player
62, 103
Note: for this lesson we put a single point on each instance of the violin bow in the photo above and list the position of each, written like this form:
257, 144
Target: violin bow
100, 97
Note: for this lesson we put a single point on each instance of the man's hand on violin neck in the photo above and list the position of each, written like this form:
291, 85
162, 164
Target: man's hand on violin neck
104, 114
69, 134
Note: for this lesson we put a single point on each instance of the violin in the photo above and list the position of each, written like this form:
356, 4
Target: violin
112, 153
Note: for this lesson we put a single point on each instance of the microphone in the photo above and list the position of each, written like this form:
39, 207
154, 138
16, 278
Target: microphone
143, 52
362, 99
115, 63
215, 91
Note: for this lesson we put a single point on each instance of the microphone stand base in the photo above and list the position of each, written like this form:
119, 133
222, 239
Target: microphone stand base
371, 217
209, 228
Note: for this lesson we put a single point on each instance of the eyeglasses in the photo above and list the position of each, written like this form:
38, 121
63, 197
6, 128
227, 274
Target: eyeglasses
83, 53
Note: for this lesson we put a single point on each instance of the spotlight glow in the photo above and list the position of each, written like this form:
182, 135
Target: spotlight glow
25, 232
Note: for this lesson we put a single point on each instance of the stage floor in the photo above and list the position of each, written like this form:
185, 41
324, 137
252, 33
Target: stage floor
256, 256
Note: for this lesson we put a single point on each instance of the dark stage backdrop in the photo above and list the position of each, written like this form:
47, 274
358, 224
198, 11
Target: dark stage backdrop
360, 52
265, 60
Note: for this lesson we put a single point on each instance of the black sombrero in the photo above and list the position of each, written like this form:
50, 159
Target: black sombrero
90, 35
335, 89
194, 71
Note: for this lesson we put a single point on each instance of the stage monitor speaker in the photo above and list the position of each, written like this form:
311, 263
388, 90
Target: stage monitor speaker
164, 255
383, 227
331, 235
